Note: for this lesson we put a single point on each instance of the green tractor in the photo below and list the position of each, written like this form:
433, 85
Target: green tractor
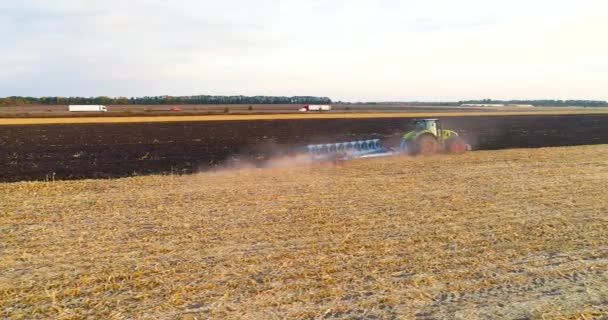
430, 137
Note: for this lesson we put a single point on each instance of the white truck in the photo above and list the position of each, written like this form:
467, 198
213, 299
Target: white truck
315, 107
87, 108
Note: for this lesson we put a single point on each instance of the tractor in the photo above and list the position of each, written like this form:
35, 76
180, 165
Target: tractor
428, 138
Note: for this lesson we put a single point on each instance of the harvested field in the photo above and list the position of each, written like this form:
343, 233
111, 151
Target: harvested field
76, 151
96, 119
256, 110
512, 234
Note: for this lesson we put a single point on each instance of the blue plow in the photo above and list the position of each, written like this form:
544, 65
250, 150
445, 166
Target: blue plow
351, 150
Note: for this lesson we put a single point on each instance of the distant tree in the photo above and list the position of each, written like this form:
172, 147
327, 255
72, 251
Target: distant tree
122, 100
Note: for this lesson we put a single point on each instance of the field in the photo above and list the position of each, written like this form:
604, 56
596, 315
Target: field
517, 234
105, 150
58, 111
189, 110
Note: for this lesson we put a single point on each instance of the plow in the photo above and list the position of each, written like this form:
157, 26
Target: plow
427, 139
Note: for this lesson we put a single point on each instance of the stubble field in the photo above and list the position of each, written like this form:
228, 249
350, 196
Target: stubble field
517, 234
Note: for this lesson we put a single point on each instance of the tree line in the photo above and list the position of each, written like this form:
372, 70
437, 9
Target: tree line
538, 103
542, 103
163, 100
208, 99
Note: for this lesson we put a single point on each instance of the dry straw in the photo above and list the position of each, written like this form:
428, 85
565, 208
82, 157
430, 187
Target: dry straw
508, 234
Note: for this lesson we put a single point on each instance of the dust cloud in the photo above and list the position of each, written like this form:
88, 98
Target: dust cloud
273, 162
264, 155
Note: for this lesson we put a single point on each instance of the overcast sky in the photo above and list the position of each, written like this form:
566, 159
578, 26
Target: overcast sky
357, 50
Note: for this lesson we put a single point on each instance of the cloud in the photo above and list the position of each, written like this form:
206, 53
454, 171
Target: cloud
358, 49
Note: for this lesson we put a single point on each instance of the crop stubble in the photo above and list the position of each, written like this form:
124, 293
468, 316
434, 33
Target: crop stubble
491, 234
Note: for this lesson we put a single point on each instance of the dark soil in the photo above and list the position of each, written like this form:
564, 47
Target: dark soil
77, 151
56, 111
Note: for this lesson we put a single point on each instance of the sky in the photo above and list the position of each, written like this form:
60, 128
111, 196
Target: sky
355, 50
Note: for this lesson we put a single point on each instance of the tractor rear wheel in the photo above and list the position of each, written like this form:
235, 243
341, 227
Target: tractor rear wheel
426, 145
455, 145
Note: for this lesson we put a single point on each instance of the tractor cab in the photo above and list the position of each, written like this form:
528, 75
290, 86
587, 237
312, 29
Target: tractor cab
429, 125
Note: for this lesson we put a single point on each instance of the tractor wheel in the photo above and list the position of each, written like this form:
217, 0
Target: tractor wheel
426, 145
455, 145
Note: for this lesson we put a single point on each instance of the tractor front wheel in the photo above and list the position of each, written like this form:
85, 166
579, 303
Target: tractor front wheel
456, 145
426, 145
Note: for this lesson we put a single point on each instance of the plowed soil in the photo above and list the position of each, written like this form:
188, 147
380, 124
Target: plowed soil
509, 234
77, 151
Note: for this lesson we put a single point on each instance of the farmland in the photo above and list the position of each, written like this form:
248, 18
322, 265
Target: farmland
33, 149
223, 109
261, 111
518, 234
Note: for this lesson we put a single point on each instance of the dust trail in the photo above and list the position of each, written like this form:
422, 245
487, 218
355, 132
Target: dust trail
297, 160
264, 155
274, 162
